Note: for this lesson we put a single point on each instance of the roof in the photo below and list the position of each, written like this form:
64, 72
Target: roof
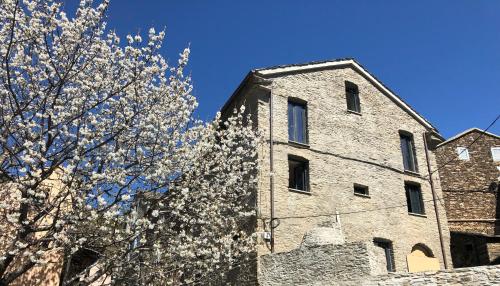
470, 130
305, 67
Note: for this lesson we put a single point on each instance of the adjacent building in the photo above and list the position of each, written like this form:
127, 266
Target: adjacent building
470, 172
50, 273
344, 151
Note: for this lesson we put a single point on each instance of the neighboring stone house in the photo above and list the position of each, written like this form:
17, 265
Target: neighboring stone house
470, 172
346, 153
49, 273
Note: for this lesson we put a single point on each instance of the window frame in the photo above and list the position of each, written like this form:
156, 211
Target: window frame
366, 190
411, 186
463, 151
411, 162
493, 154
291, 115
388, 248
305, 164
352, 89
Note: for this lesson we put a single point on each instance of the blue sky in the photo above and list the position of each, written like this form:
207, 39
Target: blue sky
442, 57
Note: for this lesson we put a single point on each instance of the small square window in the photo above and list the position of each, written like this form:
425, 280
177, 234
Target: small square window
298, 174
352, 97
463, 153
414, 198
495, 153
361, 190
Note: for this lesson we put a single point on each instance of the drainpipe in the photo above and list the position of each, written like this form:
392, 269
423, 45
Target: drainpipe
436, 210
263, 83
271, 166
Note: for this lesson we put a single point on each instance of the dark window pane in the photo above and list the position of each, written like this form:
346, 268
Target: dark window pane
291, 122
352, 97
408, 152
362, 190
297, 175
408, 200
303, 119
389, 254
404, 149
414, 199
297, 122
389, 260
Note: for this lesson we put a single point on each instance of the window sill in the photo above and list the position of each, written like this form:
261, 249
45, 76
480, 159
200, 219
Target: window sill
298, 144
354, 112
418, 215
412, 173
299, 191
362, 195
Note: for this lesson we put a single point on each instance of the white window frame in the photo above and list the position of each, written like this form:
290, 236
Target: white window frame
495, 150
463, 153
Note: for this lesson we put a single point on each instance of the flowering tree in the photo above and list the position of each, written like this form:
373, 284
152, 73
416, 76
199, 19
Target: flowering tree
100, 153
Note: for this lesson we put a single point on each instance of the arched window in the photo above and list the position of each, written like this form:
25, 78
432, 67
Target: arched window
421, 259
421, 249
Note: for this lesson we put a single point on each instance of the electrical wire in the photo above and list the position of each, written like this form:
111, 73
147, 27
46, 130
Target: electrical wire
402, 205
470, 145
204, 279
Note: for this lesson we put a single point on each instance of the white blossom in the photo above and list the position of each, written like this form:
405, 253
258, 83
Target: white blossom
101, 152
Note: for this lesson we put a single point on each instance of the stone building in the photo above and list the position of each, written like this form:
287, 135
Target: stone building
342, 151
48, 274
470, 173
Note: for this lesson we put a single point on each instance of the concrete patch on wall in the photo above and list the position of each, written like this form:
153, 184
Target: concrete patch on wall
323, 235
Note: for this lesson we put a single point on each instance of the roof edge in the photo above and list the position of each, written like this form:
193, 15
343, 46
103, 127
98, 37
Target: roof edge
282, 69
236, 91
465, 132
361, 69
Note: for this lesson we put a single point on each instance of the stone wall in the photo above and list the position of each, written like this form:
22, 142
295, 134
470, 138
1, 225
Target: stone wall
321, 263
344, 149
471, 198
474, 276
471, 202
357, 263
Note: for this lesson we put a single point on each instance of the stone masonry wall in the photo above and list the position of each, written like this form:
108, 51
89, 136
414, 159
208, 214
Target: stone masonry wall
473, 276
470, 203
346, 148
322, 263
356, 263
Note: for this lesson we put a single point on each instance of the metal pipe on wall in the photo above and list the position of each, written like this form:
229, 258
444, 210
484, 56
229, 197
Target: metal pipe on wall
436, 210
271, 167
263, 83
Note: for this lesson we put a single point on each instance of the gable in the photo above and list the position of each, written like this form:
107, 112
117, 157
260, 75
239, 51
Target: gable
467, 132
303, 68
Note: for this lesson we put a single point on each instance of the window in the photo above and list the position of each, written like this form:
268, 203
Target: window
352, 97
495, 153
414, 199
463, 153
297, 122
386, 245
408, 150
361, 190
298, 177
